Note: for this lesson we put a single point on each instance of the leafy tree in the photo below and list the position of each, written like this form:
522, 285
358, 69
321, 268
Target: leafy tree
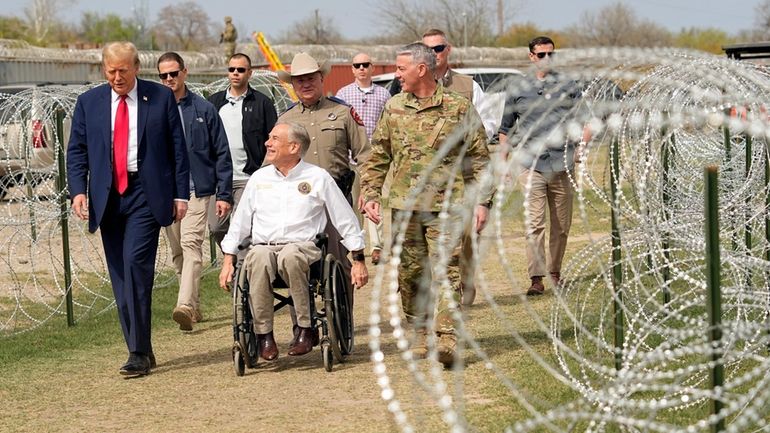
519, 35
184, 26
762, 18
709, 39
13, 28
100, 29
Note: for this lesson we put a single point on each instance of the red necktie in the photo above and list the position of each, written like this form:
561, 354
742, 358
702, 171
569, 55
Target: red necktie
120, 146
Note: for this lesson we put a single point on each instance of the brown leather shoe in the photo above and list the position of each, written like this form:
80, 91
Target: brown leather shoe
537, 287
295, 334
376, 255
268, 350
556, 279
306, 339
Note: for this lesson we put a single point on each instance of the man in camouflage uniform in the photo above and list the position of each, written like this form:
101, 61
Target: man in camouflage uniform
422, 122
228, 37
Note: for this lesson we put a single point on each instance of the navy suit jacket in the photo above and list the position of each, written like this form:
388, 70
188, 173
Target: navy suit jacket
161, 157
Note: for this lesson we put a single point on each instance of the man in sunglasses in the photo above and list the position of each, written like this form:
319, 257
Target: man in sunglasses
211, 176
248, 117
536, 116
421, 125
368, 99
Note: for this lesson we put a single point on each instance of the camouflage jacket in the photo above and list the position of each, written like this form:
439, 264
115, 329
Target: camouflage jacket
410, 136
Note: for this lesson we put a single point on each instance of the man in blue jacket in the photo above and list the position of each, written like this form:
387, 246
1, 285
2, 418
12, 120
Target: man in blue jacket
248, 117
211, 176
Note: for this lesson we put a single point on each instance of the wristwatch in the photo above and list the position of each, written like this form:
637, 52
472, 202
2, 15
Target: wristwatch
358, 256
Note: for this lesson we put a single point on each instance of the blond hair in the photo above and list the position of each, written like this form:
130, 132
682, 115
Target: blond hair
120, 50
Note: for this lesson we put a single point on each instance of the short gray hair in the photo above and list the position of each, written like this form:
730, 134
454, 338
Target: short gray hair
420, 53
297, 134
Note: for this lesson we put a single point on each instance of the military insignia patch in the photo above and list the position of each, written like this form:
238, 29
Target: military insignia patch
356, 117
331, 116
304, 188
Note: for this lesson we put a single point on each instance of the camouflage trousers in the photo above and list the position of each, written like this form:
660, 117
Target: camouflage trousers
427, 287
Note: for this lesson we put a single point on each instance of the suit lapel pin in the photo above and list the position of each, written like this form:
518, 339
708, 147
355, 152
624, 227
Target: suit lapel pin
144, 98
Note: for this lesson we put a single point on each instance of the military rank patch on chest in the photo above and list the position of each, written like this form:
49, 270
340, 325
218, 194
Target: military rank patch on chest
304, 188
356, 117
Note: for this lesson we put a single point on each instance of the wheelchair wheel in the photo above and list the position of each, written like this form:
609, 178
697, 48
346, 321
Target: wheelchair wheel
238, 364
242, 326
338, 311
328, 357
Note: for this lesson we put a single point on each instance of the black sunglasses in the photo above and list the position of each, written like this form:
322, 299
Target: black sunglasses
364, 64
438, 48
240, 70
545, 53
172, 74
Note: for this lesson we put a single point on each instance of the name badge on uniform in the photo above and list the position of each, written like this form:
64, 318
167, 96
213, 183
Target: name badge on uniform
304, 188
331, 116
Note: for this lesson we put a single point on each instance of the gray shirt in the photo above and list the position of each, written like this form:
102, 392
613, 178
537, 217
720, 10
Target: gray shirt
535, 121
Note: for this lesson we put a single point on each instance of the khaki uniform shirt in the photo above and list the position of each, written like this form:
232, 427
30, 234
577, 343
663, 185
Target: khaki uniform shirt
410, 135
335, 132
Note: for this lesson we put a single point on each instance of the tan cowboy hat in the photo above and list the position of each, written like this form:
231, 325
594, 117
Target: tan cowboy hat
302, 64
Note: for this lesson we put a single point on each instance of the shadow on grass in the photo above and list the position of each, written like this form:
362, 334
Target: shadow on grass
221, 355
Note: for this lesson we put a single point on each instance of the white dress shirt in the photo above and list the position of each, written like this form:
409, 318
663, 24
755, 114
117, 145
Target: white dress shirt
285, 209
132, 116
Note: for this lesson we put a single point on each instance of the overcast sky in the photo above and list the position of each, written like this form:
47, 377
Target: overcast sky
358, 18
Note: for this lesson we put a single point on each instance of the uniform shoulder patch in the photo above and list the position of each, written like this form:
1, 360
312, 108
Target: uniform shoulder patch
356, 117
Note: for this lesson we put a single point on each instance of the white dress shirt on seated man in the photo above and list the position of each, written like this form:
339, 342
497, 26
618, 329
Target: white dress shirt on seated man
282, 209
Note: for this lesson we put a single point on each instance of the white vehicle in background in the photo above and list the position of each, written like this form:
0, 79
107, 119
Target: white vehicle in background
493, 81
27, 132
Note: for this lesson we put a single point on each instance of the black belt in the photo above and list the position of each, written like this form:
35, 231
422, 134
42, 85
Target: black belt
272, 243
133, 176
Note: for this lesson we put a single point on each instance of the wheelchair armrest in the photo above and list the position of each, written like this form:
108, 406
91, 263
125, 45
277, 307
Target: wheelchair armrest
245, 244
321, 240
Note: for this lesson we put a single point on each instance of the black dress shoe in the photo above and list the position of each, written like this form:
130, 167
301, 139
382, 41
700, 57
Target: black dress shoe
138, 364
307, 338
151, 357
267, 347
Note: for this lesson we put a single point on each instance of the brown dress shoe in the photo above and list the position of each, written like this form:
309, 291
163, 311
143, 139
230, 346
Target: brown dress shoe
306, 339
537, 287
556, 279
267, 347
376, 254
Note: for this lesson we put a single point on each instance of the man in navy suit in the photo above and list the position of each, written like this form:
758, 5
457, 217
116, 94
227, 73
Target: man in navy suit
127, 151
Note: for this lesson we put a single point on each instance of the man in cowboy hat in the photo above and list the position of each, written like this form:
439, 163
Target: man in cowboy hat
337, 134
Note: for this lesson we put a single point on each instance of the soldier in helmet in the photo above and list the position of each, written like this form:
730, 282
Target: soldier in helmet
228, 37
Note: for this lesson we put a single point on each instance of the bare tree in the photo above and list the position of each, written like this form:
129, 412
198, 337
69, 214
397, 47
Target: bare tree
41, 17
315, 29
762, 18
616, 25
184, 26
466, 22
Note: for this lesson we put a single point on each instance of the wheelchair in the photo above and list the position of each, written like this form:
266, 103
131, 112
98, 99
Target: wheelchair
327, 286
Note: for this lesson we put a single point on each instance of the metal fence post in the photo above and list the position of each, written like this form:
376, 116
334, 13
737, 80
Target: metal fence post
61, 186
617, 271
714, 295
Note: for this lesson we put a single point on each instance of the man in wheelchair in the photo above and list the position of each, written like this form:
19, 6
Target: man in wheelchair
283, 207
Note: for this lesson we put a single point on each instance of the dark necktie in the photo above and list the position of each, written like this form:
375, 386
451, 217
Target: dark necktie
120, 146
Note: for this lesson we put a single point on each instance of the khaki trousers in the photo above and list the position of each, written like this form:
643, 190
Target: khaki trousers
219, 226
292, 262
186, 241
555, 190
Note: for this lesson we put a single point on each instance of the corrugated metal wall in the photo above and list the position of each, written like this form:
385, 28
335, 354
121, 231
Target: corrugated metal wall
341, 75
15, 71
